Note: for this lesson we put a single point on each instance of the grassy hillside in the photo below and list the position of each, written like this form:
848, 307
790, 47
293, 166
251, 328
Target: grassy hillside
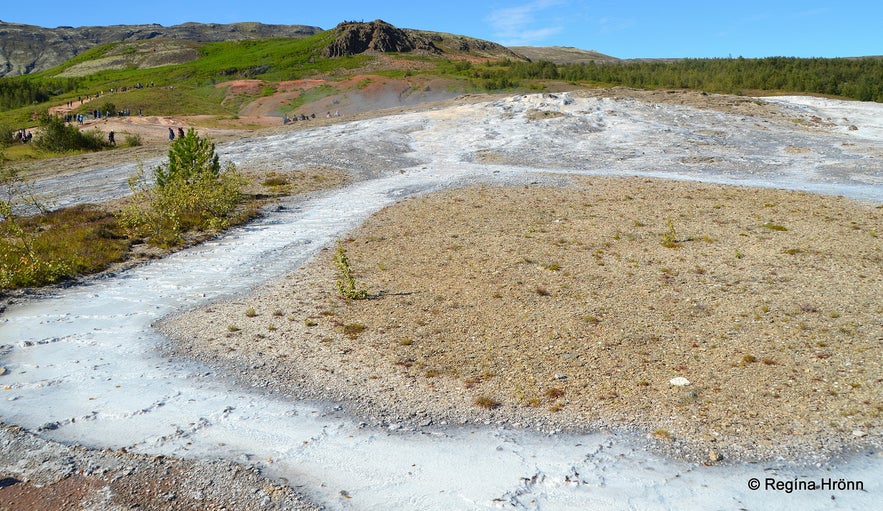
182, 77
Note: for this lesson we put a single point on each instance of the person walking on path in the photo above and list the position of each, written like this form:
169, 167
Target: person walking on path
171, 134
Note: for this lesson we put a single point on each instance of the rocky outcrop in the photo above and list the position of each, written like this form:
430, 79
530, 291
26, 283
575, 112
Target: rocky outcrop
27, 48
353, 38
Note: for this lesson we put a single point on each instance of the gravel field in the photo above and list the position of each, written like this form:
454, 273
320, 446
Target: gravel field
573, 308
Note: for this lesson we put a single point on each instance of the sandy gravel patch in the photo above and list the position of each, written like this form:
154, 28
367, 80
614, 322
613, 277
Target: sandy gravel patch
575, 308
39, 475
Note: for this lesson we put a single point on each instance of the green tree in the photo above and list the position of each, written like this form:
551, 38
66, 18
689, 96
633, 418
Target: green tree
190, 192
190, 158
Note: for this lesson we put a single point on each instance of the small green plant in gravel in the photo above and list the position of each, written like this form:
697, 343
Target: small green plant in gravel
669, 238
346, 281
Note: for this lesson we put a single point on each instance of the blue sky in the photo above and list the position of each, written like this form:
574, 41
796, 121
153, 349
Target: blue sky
621, 28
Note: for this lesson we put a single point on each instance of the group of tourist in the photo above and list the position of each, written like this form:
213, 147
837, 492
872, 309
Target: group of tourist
286, 119
23, 136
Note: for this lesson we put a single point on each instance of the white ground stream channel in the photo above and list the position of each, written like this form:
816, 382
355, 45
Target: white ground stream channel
86, 362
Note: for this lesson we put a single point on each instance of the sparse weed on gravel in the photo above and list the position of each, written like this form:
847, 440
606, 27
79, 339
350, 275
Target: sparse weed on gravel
352, 330
488, 403
346, 281
669, 238
662, 434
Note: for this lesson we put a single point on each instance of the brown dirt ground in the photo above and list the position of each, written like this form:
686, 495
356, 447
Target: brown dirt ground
564, 308
52, 477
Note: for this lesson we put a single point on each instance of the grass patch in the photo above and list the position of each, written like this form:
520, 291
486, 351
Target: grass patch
59, 245
774, 227
352, 330
488, 403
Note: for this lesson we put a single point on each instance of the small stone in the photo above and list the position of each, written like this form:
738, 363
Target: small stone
2, 371
859, 433
560, 377
679, 381
714, 456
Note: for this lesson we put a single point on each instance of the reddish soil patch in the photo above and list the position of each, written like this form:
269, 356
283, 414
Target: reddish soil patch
242, 86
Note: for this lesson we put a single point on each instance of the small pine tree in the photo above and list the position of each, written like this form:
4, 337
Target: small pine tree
190, 158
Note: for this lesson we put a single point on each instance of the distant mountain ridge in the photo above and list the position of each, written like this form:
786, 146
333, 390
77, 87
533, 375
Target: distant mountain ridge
564, 55
28, 49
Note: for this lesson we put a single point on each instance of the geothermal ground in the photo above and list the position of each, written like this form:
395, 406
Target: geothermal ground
542, 268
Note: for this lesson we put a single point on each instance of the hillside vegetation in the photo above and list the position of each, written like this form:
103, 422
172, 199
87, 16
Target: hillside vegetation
175, 77
26, 49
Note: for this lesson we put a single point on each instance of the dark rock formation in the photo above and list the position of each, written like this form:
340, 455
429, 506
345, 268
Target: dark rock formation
355, 38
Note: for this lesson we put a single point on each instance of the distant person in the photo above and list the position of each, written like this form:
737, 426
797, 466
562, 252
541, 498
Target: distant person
181, 132
171, 134
110, 138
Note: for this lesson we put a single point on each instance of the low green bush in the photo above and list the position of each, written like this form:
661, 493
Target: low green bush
60, 137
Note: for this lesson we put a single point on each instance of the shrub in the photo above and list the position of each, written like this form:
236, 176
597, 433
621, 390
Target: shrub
58, 136
108, 108
51, 246
134, 140
6, 136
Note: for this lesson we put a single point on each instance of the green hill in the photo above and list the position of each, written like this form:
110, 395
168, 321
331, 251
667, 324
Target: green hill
354, 64
172, 76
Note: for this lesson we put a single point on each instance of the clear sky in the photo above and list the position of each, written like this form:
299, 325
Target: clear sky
621, 28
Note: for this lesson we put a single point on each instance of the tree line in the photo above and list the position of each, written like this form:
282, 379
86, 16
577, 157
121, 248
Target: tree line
856, 78
20, 91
